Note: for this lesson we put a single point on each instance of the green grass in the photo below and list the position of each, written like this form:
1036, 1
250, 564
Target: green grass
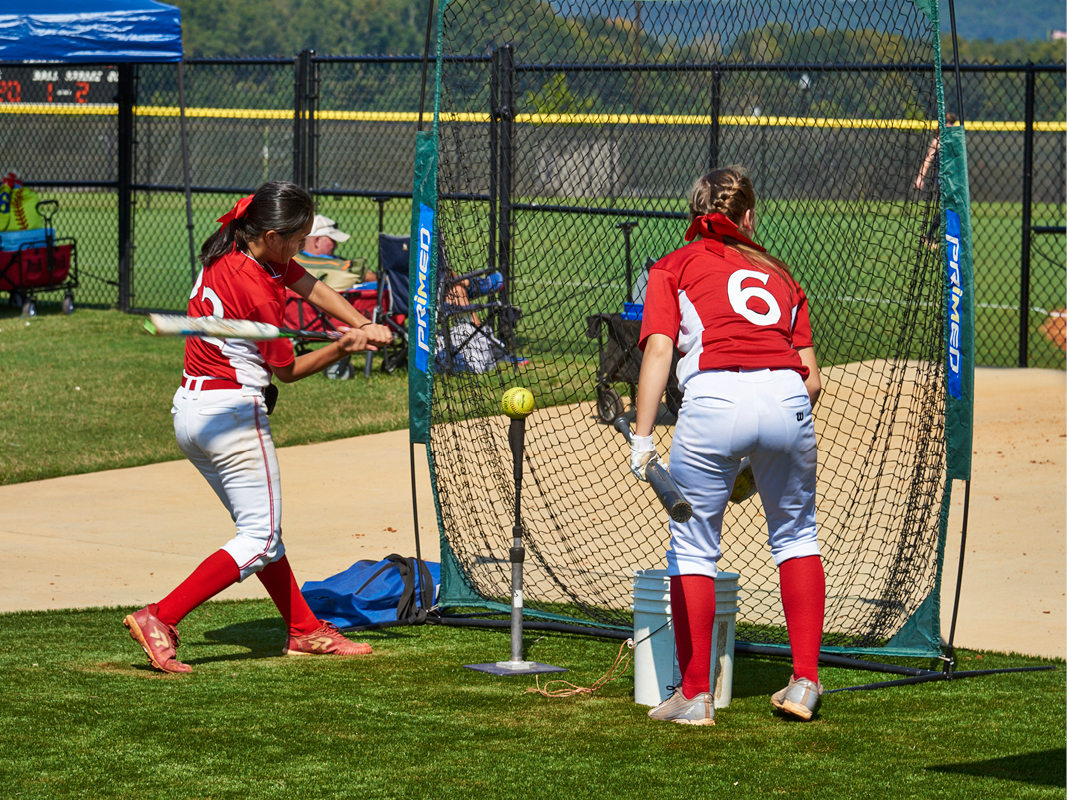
859, 266
83, 716
162, 276
847, 255
93, 391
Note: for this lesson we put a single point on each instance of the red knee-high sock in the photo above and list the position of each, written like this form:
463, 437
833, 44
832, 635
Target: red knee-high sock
214, 574
280, 583
804, 601
693, 614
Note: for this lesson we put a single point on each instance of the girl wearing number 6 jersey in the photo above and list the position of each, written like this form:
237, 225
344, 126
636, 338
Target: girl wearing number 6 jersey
750, 377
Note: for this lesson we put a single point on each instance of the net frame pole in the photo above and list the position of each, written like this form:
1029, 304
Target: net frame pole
494, 153
425, 61
949, 646
381, 201
506, 111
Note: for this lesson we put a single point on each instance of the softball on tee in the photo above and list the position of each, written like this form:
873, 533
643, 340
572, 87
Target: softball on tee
517, 402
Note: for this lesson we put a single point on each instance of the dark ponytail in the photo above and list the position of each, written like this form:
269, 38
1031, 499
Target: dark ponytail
277, 206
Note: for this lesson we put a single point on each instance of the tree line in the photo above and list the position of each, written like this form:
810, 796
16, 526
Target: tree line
269, 28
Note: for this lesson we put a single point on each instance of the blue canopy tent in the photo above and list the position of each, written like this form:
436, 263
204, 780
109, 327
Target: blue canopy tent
120, 32
81, 31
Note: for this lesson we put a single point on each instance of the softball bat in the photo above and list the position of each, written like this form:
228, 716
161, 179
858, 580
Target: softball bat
219, 328
661, 482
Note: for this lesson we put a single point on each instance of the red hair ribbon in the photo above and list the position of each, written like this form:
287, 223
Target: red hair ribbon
713, 227
238, 211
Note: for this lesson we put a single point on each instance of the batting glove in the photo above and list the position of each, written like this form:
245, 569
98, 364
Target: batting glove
642, 452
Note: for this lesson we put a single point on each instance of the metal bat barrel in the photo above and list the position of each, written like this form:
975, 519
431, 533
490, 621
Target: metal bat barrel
668, 492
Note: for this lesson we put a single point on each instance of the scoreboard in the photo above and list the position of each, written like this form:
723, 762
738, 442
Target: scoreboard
59, 84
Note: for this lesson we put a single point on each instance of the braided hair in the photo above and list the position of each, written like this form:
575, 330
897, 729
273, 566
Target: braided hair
729, 191
278, 206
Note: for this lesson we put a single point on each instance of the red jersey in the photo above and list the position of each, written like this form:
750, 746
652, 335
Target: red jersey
237, 286
723, 312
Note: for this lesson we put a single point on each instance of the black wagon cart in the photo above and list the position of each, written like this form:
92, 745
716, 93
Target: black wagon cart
35, 261
620, 362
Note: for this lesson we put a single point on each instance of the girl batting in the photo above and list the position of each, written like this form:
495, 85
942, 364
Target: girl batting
750, 378
220, 414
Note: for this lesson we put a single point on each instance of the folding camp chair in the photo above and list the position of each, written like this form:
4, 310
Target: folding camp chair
473, 336
391, 304
302, 315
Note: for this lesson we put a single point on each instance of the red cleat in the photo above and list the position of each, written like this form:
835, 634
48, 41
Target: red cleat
325, 640
159, 640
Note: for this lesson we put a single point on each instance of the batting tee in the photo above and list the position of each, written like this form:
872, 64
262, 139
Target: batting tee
565, 137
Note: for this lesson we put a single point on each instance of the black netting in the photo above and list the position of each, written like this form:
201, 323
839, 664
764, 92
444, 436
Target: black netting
570, 136
61, 135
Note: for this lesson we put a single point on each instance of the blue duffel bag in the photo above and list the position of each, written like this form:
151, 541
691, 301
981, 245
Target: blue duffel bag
395, 589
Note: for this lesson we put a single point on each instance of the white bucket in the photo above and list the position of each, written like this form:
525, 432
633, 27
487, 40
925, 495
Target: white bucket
655, 659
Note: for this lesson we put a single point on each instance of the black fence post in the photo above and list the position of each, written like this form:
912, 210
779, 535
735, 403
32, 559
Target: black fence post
381, 201
1028, 185
301, 68
127, 98
311, 102
627, 229
716, 101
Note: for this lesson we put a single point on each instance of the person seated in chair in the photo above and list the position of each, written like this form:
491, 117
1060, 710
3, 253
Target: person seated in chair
473, 345
317, 256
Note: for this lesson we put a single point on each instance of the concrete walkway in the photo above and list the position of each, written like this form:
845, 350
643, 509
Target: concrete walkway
125, 537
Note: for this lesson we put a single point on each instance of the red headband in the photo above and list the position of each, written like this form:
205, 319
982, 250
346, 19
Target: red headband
713, 227
239, 209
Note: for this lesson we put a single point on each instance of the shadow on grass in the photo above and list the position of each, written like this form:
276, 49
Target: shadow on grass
759, 675
127, 669
261, 638
1041, 768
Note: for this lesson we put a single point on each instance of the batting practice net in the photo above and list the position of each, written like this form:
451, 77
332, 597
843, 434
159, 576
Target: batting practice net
566, 136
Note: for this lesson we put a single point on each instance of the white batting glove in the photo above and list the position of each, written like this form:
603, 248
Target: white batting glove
642, 452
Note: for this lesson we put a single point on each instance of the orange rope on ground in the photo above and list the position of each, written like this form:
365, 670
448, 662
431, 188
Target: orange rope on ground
614, 672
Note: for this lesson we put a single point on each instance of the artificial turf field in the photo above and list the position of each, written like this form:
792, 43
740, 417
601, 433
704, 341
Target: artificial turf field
84, 716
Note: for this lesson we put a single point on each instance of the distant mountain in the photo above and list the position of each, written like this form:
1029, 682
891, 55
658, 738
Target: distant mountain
1005, 20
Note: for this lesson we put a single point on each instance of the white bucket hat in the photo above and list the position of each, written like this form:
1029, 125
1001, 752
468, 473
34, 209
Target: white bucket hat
324, 226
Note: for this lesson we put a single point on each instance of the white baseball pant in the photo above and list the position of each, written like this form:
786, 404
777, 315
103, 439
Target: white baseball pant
725, 416
226, 434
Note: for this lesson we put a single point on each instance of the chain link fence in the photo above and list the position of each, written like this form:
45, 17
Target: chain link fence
1015, 173
106, 143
